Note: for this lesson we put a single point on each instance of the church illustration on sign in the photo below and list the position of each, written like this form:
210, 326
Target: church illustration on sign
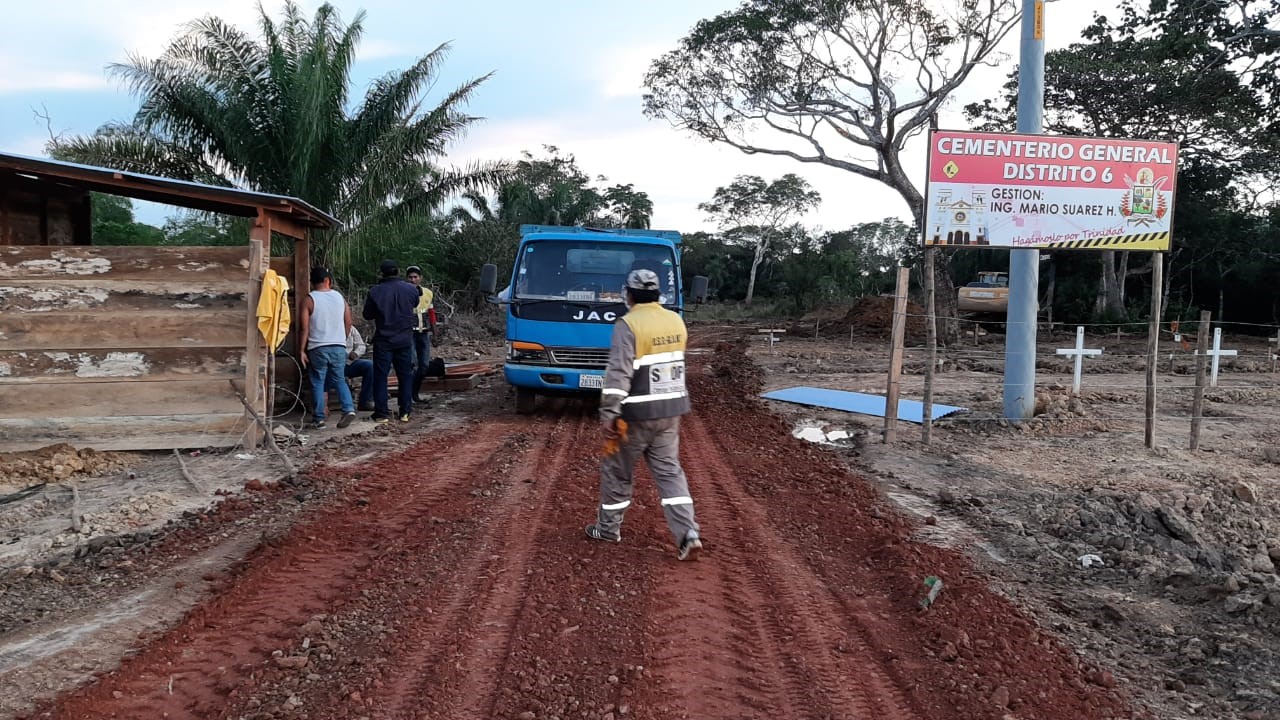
959, 221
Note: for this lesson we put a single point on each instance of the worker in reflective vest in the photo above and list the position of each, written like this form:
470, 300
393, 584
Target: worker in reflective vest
640, 407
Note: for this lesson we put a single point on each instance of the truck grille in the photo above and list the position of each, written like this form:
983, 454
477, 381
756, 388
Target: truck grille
579, 357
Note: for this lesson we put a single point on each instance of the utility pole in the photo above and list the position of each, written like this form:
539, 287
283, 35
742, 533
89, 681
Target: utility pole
1024, 265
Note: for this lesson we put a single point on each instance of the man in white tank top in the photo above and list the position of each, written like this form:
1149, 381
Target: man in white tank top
324, 325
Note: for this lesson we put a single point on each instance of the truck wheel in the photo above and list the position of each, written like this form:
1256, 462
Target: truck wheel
526, 401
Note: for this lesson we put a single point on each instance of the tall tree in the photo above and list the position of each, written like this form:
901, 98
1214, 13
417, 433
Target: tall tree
273, 113
627, 207
843, 83
113, 223
548, 190
761, 211
553, 190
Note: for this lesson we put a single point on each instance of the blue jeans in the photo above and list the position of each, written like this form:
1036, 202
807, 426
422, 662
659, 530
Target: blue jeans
325, 362
421, 358
362, 369
383, 359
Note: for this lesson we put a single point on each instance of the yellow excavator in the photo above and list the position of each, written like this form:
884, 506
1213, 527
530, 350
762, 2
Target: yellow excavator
989, 294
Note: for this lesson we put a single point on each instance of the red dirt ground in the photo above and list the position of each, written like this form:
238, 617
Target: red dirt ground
453, 582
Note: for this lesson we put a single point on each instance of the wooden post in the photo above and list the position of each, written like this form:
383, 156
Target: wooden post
256, 359
931, 342
1153, 344
1197, 406
895, 354
302, 277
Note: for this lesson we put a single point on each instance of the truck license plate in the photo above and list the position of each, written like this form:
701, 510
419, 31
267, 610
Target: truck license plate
591, 381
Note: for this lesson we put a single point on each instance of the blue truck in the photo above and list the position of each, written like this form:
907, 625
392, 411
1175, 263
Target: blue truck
565, 294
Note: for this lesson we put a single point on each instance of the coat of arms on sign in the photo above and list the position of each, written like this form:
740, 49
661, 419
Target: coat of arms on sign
1144, 203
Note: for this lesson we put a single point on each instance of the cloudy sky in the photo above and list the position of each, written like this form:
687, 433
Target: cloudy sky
567, 73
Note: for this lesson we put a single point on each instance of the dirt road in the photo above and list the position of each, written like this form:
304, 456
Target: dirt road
453, 581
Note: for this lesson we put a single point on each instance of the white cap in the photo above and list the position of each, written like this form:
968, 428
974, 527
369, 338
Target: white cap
642, 279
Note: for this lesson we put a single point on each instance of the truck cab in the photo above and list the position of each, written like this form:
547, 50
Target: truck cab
565, 294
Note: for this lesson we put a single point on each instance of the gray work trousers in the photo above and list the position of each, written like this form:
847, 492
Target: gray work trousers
659, 442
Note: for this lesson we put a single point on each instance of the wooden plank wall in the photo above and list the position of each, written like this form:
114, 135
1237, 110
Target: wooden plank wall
122, 347
39, 213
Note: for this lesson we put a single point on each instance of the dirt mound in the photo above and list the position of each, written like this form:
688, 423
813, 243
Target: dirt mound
870, 316
57, 462
730, 363
827, 313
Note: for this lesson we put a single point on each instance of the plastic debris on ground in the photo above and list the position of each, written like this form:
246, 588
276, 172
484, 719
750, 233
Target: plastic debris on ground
1090, 560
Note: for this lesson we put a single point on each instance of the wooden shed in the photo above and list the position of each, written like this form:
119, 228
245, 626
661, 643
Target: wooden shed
133, 347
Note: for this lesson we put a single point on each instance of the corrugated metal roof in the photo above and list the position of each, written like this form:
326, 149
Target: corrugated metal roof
166, 190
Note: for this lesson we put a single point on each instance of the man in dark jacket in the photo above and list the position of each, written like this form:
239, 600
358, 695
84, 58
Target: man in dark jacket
390, 306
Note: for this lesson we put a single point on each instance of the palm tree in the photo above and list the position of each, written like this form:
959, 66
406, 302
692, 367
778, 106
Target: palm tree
555, 191
274, 114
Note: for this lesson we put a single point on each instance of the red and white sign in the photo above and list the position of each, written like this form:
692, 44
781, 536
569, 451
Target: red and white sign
1049, 191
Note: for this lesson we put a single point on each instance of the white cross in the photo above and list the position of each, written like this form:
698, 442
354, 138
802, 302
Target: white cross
1079, 351
773, 335
1216, 353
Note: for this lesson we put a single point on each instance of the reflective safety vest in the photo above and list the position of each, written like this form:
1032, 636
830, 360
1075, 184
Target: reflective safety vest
424, 305
658, 385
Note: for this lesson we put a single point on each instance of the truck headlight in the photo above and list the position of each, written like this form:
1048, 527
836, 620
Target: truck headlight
526, 352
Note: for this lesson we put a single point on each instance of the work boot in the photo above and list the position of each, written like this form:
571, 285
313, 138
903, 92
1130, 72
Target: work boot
690, 548
595, 533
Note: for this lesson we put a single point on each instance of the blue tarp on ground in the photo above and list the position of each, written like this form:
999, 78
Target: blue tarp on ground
855, 402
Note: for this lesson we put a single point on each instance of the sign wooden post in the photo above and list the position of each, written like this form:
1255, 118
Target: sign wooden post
931, 341
1153, 344
895, 354
1197, 405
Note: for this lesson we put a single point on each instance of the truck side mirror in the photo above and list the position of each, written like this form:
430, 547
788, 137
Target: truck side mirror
489, 279
698, 289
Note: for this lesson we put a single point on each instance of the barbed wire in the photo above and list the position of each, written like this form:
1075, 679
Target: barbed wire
1088, 419
1141, 325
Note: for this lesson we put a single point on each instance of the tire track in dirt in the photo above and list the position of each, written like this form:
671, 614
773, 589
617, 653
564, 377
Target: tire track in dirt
466, 639
711, 655
759, 601
575, 647
190, 671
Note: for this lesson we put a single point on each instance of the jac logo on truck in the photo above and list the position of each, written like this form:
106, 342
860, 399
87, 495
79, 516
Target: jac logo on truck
594, 316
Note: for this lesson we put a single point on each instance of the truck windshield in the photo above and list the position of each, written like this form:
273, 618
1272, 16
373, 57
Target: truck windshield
587, 271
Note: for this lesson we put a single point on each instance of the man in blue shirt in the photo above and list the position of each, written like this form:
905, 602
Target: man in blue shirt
390, 306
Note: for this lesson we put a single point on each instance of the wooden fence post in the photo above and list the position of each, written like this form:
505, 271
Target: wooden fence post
895, 355
1197, 405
